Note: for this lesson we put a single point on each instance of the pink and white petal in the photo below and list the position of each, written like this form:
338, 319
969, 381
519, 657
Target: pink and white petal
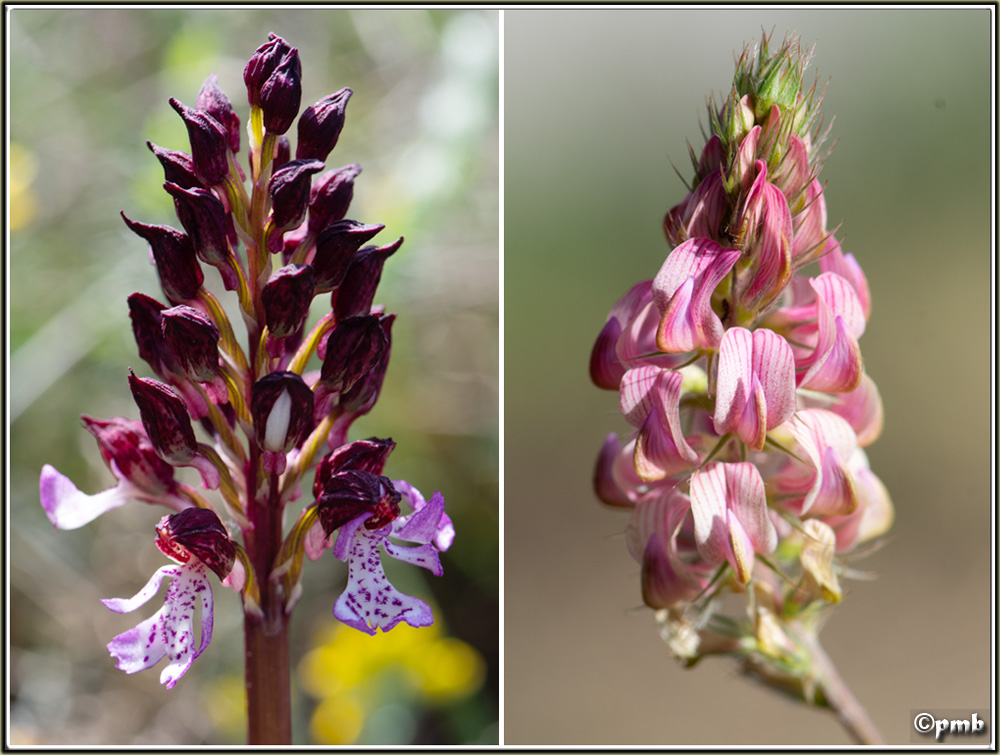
810, 226
68, 508
839, 368
345, 535
316, 541
423, 524
127, 605
751, 426
709, 507
656, 455
370, 602
748, 503
677, 331
141, 647
794, 169
605, 368
774, 364
740, 550
838, 295
836, 493
662, 584
862, 408
635, 397
878, 513
733, 380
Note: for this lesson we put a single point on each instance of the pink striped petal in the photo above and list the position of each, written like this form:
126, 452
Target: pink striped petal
844, 265
829, 442
835, 365
810, 226
682, 291
755, 386
605, 368
606, 485
730, 516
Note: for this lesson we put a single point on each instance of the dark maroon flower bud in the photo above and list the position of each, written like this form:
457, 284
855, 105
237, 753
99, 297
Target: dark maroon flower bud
362, 397
281, 94
146, 314
331, 197
286, 298
195, 341
289, 189
178, 168
349, 494
165, 418
364, 455
209, 142
124, 443
262, 64
173, 253
282, 408
336, 246
282, 154
214, 101
203, 217
357, 291
320, 125
199, 533
355, 345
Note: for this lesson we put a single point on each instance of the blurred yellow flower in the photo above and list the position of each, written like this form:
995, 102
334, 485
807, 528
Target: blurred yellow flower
23, 201
346, 667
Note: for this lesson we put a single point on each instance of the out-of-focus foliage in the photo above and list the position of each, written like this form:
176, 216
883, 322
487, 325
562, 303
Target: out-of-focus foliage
87, 89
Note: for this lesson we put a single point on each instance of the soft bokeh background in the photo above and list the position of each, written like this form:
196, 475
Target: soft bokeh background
87, 89
597, 103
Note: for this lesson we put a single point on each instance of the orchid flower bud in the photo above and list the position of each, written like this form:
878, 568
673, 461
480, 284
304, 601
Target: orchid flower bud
165, 418
124, 443
289, 189
286, 298
357, 291
214, 101
198, 533
282, 408
336, 247
178, 167
282, 154
354, 347
209, 142
262, 64
146, 314
194, 339
320, 125
281, 94
360, 398
331, 197
173, 253
203, 217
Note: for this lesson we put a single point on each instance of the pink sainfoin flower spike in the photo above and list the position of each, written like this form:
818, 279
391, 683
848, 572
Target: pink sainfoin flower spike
739, 368
255, 413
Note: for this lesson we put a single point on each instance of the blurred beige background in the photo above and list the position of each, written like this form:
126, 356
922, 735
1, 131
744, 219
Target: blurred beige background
597, 103
88, 87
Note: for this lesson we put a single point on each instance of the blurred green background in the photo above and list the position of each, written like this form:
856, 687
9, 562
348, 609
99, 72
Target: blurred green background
87, 89
597, 104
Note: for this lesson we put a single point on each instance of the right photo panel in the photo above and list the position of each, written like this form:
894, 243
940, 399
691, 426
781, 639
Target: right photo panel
748, 263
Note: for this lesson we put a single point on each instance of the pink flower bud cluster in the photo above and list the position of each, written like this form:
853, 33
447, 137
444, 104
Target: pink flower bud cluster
739, 370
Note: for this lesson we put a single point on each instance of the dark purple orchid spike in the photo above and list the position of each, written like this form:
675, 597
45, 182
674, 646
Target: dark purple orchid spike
165, 418
209, 142
320, 125
203, 217
362, 396
173, 252
146, 314
214, 101
331, 197
200, 533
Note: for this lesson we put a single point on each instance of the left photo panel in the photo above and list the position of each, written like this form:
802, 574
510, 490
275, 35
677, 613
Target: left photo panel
254, 268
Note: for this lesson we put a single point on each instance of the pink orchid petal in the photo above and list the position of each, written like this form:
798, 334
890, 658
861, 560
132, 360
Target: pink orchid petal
316, 541
68, 508
425, 556
170, 631
422, 525
444, 532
